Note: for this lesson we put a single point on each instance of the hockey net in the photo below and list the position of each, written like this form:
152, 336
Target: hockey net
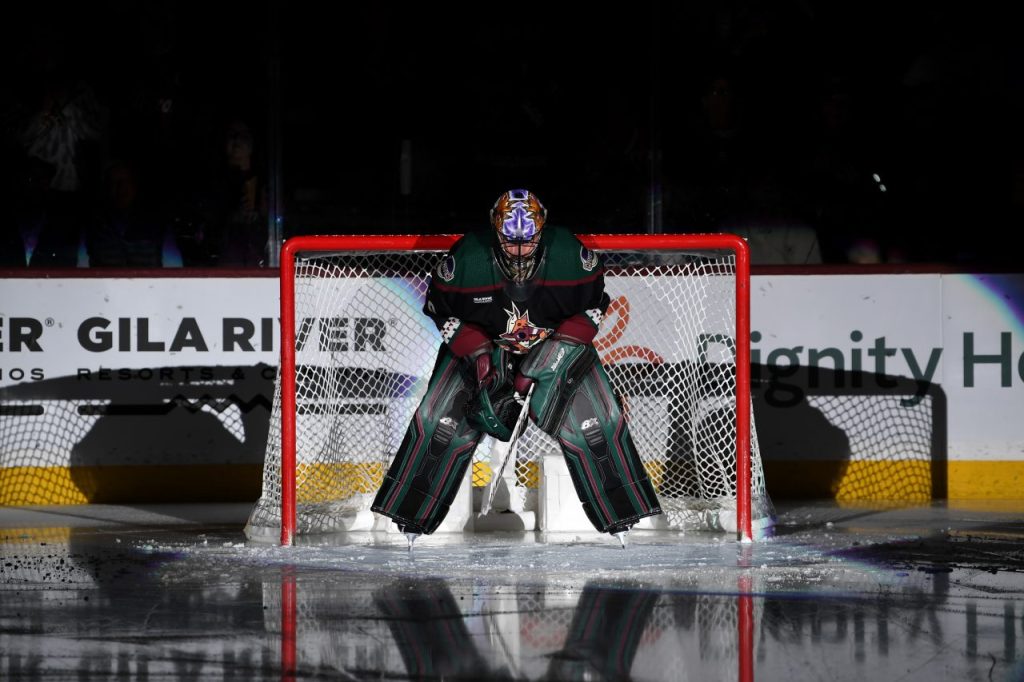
358, 352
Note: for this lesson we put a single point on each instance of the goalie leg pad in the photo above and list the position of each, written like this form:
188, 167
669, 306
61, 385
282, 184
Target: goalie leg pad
436, 450
601, 645
557, 367
605, 468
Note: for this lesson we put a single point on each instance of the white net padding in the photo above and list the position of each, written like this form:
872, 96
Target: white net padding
365, 350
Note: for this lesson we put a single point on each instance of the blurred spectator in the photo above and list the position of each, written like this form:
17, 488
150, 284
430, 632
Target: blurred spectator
958, 130
707, 185
127, 232
59, 132
164, 125
844, 182
163, 130
728, 180
236, 231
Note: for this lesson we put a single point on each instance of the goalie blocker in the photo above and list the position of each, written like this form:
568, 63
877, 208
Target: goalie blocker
573, 401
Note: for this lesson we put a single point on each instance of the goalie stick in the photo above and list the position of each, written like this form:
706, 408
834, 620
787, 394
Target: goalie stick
507, 446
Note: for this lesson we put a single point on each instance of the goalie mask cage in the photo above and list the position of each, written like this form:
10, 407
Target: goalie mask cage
357, 353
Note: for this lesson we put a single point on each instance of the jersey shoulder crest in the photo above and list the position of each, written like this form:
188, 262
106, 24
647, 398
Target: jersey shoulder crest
588, 258
446, 268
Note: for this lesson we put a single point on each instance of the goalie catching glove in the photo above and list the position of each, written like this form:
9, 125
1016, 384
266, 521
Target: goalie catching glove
495, 412
494, 407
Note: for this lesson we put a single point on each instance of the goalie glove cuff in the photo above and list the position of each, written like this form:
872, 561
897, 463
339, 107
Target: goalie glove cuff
578, 328
469, 340
483, 368
522, 384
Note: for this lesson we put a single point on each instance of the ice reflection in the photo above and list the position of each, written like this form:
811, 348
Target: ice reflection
439, 629
79, 606
436, 629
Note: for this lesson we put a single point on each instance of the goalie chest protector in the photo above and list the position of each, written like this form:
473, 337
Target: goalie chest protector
468, 285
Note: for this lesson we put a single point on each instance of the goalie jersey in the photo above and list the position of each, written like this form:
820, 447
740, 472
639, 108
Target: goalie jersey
469, 294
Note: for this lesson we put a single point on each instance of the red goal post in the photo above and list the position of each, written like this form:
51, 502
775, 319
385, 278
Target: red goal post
653, 244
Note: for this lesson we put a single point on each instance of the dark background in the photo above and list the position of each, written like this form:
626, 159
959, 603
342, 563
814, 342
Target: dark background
412, 118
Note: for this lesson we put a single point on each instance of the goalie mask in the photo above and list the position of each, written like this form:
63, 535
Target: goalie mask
518, 218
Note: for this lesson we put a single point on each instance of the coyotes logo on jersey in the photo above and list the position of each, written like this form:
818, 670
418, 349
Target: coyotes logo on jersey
520, 334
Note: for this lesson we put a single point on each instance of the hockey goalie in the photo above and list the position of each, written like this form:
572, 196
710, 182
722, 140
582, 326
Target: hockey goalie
518, 307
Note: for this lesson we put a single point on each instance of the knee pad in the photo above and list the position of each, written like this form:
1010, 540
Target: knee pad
442, 437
